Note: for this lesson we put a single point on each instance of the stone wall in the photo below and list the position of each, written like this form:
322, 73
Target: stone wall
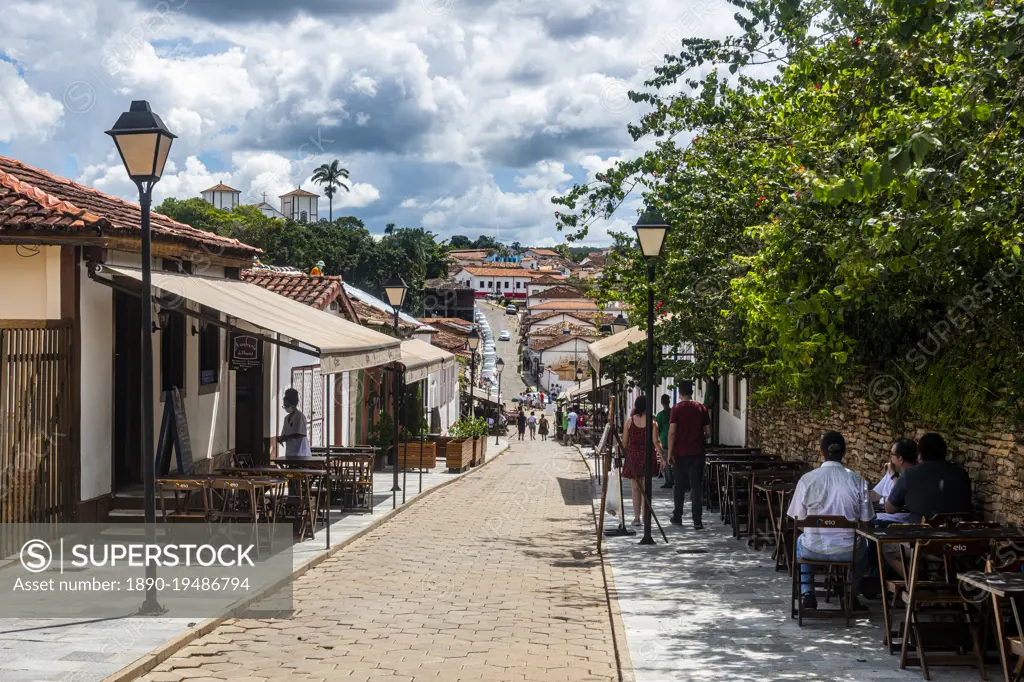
994, 459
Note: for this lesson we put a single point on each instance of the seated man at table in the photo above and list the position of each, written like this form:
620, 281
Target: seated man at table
934, 486
830, 490
294, 432
902, 456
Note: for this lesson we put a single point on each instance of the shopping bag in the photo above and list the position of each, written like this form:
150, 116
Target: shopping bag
612, 501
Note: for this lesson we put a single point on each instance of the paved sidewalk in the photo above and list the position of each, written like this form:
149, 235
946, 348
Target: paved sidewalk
720, 611
50, 650
478, 582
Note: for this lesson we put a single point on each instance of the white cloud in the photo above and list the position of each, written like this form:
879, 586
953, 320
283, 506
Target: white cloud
468, 121
23, 111
360, 194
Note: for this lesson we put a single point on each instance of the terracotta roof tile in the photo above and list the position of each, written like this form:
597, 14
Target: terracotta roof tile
34, 201
546, 342
493, 271
546, 252
221, 187
444, 284
592, 317
566, 305
318, 292
548, 279
299, 193
560, 292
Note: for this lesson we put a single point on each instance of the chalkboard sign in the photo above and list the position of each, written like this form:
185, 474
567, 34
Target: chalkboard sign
174, 435
244, 352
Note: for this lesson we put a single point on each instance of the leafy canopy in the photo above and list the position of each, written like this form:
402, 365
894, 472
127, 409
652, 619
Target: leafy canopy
844, 180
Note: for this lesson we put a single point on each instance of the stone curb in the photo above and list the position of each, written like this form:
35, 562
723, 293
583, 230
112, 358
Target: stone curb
149, 661
622, 657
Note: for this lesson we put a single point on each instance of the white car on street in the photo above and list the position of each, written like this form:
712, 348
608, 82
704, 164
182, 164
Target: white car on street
505, 336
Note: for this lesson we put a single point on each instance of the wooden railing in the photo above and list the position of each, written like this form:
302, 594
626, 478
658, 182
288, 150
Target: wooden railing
38, 468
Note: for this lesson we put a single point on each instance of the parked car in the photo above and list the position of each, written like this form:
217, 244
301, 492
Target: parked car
505, 336
510, 309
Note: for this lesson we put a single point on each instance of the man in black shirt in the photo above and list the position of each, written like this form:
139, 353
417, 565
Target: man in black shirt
934, 486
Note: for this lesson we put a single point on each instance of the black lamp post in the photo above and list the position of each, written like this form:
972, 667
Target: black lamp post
500, 366
650, 231
395, 291
143, 141
473, 339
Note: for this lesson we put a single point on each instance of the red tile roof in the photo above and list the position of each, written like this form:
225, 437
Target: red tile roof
492, 271
221, 187
318, 292
549, 279
592, 317
545, 252
546, 342
559, 292
566, 305
299, 192
34, 202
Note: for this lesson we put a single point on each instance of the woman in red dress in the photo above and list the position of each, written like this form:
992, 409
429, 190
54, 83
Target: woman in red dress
633, 434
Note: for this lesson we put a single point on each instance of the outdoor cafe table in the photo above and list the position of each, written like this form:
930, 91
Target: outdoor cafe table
776, 492
205, 484
735, 476
305, 479
1000, 586
716, 467
896, 534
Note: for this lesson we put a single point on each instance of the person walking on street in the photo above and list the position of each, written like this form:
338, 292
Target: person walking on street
521, 423
543, 427
570, 427
662, 421
531, 422
634, 434
689, 425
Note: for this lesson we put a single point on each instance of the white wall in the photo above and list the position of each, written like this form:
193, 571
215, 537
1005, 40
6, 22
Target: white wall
97, 386
30, 283
210, 415
732, 423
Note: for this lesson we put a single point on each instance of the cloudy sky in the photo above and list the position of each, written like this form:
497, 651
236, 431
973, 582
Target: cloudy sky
464, 116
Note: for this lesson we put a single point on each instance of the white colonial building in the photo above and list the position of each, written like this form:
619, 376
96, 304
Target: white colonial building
222, 196
300, 205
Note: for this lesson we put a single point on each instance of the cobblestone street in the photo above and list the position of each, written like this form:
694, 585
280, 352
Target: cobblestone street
477, 582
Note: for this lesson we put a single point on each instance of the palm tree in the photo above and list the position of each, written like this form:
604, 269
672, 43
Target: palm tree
331, 175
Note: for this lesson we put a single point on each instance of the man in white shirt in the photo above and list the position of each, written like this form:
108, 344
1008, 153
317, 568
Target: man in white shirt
902, 456
570, 431
830, 490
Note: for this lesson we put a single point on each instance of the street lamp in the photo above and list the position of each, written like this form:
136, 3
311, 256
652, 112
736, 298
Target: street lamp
619, 324
650, 230
500, 366
473, 339
395, 291
143, 141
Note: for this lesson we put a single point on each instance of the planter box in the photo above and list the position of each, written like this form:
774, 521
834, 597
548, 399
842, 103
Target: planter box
458, 454
409, 456
480, 454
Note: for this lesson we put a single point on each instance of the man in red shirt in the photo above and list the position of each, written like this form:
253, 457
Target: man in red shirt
689, 424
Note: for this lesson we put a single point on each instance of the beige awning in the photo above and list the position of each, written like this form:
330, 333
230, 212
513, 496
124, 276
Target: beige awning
585, 387
421, 359
343, 345
483, 395
610, 345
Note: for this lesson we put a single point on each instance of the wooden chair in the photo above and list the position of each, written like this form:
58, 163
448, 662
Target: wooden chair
184, 490
894, 588
838, 575
952, 615
761, 506
950, 519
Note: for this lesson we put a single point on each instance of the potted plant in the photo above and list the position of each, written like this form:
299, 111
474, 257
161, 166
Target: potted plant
414, 456
459, 449
478, 430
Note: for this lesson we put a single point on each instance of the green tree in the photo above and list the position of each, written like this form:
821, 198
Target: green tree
331, 176
461, 241
854, 215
